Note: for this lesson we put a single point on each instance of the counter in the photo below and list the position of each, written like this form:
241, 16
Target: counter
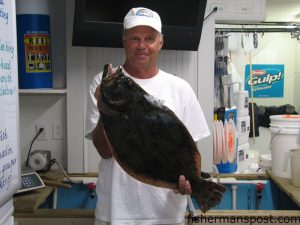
56, 216
86, 217
27, 211
286, 186
29, 202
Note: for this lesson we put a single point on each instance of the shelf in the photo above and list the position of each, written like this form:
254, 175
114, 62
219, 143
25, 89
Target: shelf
46, 91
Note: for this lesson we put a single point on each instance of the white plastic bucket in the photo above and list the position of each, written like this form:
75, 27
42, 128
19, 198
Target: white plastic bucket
285, 135
295, 166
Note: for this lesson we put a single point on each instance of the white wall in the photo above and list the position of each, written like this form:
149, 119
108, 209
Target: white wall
44, 109
205, 90
76, 83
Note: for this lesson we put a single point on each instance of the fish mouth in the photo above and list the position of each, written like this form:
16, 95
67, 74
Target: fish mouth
114, 94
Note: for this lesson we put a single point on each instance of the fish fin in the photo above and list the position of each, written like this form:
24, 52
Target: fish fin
207, 193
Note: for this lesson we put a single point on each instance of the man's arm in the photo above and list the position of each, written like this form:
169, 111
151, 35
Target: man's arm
100, 141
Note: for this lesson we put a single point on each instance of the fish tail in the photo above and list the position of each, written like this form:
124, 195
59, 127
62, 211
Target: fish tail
207, 193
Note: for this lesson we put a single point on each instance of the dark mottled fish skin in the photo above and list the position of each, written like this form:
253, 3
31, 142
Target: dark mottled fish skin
149, 142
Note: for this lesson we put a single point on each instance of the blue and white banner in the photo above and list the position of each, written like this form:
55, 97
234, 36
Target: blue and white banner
267, 80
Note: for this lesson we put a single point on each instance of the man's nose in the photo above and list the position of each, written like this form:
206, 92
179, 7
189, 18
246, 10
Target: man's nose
142, 44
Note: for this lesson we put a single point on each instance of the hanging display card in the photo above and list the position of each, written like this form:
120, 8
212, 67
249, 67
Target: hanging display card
267, 80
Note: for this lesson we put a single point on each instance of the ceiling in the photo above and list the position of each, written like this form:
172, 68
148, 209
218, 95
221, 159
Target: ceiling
283, 10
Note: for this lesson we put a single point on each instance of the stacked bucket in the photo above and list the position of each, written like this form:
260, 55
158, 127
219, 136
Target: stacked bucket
285, 147
241, 99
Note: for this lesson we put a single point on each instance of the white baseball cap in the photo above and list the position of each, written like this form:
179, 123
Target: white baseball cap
142, 17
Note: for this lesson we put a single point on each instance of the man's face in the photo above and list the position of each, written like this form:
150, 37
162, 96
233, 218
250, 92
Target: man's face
142, 45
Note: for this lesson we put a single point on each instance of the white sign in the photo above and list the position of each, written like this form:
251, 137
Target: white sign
9, 102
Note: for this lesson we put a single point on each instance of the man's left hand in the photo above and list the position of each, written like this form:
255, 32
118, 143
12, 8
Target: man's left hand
184, 186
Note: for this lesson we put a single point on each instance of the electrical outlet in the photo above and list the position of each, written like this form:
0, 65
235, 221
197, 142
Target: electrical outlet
43, 136
57, 131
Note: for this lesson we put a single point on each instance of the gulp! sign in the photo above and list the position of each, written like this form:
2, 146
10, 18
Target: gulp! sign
267, 80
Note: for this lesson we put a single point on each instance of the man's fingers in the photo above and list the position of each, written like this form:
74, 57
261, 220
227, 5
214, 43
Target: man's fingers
97, 93
188, 189
111, 71
184, 186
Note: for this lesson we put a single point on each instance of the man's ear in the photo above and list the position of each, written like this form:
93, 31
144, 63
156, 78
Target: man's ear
123, 39
161, 43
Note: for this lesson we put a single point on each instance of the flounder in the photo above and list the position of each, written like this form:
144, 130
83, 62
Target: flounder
148, 140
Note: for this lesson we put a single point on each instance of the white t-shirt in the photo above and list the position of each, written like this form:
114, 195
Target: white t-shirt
122, 200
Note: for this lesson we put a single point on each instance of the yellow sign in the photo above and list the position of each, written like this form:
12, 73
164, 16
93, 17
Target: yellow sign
37, 52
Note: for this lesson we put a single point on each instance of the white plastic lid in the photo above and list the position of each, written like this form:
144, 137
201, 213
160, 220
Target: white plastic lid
266, 157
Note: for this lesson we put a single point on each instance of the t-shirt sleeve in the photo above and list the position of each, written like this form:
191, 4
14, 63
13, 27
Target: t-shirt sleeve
92, 112
193, 117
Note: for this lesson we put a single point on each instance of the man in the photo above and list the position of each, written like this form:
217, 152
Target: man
122, 199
